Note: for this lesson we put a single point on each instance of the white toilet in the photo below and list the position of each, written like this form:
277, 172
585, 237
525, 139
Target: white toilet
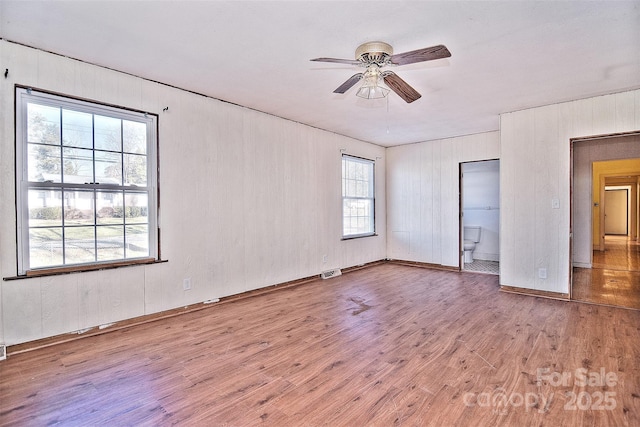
471, 237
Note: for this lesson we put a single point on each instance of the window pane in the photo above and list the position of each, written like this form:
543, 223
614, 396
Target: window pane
134, 137
108, 135
359, 171
351, 188
77, 129
109, 206
135, 170
77, 200
137, 241
45, 247
110, 242
78, 166
136, 208
43, 124
45, 208
357, 216
108, 168
44, 163
78, 208
79, 245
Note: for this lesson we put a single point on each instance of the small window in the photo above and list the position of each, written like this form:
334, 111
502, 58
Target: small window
86, 178
358, 199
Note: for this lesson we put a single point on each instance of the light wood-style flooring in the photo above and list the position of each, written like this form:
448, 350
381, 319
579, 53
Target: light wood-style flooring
621, 253
615, 276
382, 346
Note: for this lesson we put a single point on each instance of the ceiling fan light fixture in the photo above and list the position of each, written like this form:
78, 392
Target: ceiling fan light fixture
370, 89
372, 92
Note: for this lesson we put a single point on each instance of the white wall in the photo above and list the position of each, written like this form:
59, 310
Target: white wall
423, 196
247, 200
535, 170
481, 206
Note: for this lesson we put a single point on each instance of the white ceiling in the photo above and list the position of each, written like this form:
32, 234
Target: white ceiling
506, 55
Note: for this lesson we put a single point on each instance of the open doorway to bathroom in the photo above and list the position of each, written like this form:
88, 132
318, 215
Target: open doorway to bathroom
480, 216
605, 218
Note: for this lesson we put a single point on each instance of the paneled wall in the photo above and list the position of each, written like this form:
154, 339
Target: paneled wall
247, 200
423, 196
534, 181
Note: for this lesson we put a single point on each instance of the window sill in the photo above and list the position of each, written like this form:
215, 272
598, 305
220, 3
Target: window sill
359, 236
85, 268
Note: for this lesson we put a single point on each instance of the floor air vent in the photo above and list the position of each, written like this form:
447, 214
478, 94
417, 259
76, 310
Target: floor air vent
3, 351
331, 273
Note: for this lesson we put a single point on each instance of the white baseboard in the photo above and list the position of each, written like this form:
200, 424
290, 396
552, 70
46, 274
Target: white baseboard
486, 257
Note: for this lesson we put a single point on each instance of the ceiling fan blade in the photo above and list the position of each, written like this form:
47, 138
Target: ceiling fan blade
349, 83
400, 87
421, 55
338, 61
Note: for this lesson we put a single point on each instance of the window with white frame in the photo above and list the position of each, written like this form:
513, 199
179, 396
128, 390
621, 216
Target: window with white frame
86, 183
358, 199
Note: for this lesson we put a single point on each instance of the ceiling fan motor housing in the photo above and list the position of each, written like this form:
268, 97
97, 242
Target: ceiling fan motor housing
374, 53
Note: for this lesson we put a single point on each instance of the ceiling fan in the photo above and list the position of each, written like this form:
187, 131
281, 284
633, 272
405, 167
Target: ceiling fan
376, 55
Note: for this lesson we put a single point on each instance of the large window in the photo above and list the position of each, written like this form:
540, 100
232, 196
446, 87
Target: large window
358, 199
86, 183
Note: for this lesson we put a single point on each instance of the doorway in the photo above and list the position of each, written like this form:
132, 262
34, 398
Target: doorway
605, 220
616, 211
480, 216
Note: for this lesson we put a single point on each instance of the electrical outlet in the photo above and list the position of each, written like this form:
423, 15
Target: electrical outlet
324, 259
186, 284
542, 273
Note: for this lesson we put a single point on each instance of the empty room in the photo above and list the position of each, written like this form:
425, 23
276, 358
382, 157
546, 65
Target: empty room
312, 213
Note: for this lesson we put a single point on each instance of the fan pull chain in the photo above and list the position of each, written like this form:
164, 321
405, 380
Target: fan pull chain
387, 115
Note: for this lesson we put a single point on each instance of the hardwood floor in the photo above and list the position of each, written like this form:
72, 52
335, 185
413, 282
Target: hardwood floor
386, 345
620, 253
615, 276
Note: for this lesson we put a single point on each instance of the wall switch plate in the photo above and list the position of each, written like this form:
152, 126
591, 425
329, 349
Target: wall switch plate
186, 284
555, 204
542, 273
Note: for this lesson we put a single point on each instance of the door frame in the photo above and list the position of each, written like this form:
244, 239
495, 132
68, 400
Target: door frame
461, 213
627, 195
573, 141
